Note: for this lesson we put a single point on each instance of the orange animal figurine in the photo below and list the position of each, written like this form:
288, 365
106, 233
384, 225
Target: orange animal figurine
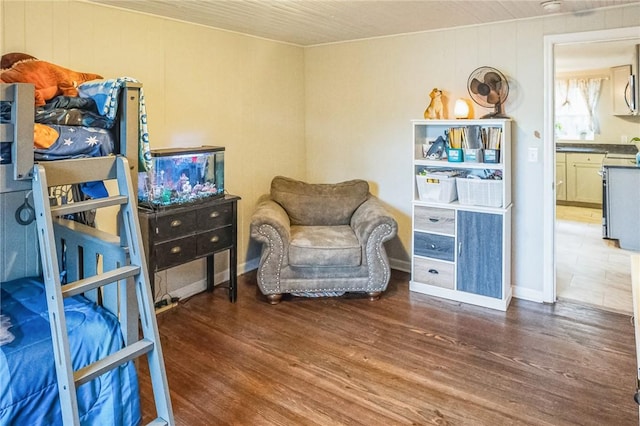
434, 110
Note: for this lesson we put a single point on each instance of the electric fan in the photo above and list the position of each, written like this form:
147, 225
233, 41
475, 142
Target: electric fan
489, 88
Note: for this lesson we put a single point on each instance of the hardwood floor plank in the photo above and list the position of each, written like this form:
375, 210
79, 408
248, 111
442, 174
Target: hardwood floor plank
405, 359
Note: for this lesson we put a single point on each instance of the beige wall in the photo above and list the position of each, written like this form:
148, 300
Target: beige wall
351, 102
202, 86
361, 96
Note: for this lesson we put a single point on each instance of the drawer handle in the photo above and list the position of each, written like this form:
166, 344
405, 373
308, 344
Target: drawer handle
433, 246
176, 223
214, 214
214, 239
434, 219
176, 250
433, 271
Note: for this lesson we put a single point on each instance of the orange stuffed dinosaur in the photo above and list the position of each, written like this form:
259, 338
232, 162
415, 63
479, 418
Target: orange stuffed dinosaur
50, 80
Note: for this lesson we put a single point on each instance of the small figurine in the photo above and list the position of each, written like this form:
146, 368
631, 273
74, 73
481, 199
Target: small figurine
434, 110
197, 188
182, 182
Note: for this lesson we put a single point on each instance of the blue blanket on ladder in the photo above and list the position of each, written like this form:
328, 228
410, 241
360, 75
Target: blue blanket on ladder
106, 94
28, 387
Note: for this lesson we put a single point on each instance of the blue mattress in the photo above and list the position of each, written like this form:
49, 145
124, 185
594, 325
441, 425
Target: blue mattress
28, 388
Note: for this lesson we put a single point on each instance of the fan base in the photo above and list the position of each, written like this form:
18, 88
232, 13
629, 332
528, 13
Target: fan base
495, 115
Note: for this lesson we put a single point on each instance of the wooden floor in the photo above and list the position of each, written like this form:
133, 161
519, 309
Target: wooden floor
405, 359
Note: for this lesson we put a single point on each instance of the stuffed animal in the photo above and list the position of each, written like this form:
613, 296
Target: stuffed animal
50, 80
8, 59
44, 136
434, 110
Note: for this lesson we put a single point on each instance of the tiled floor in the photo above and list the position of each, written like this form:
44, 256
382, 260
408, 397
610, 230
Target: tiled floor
590, 269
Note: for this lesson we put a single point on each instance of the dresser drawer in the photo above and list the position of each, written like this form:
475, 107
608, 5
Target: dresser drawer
215, 240
433, 272
214, 216
432, 245
175, 225
433, 219
175, 252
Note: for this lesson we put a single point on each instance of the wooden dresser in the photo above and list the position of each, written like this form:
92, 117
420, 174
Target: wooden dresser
179, 234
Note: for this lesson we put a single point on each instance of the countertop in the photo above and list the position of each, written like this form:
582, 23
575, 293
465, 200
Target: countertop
597, 148
618, 162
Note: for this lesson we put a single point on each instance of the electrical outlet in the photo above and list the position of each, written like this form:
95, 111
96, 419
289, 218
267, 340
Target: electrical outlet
532, 156
624, 139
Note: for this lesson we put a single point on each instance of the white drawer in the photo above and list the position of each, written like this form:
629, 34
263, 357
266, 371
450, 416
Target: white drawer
433, 219
432, 272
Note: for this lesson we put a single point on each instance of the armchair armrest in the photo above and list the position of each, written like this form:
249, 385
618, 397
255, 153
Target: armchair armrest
370, 215
373, 225
270, 213
270, 225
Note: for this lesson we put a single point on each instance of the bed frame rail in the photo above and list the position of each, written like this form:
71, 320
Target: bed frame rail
17, 176
19, 132
83, 252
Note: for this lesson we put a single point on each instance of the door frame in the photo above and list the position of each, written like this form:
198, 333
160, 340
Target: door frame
549, 185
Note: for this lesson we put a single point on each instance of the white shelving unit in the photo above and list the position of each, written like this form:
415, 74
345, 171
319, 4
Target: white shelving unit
461, 249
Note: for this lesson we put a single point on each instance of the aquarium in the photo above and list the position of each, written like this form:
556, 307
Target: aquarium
181, 176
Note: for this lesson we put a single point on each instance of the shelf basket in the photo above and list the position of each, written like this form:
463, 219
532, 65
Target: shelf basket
479, 192
436, 188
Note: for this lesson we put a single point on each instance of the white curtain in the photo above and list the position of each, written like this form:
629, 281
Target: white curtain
562, 94
590, 91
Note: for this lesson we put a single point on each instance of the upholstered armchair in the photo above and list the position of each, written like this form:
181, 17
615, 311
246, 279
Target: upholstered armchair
321, 239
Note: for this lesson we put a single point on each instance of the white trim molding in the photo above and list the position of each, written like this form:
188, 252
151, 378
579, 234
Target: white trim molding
549, 188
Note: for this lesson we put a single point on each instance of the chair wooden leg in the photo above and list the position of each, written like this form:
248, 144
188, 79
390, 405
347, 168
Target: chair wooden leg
274, 299
374, 295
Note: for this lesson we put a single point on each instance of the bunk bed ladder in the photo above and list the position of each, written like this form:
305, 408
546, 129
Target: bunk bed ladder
134, 273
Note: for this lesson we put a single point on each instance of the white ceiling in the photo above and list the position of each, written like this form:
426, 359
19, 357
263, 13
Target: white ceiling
595, 55
312, 22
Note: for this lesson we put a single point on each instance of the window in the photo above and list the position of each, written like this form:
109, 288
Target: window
576, 103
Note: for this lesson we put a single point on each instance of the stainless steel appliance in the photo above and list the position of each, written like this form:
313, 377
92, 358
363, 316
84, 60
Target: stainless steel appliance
624, 204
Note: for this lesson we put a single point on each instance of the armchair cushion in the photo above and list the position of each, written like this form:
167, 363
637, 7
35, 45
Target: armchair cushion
319, 204
324, 246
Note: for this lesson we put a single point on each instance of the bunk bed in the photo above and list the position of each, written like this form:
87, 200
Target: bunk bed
28, 386
100, 321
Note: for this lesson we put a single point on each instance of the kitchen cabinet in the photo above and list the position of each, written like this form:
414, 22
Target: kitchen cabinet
584, 182
561, 177
461, 248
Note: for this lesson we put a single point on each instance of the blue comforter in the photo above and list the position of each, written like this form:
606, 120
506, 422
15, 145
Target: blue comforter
28, 388
106, 93
76, 142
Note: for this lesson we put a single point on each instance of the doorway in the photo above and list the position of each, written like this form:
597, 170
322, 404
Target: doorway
566, 236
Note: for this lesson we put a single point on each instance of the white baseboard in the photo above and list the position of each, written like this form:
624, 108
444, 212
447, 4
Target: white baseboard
400, 265
528, 294
189, 290
249, 265
517, 292
199, 286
